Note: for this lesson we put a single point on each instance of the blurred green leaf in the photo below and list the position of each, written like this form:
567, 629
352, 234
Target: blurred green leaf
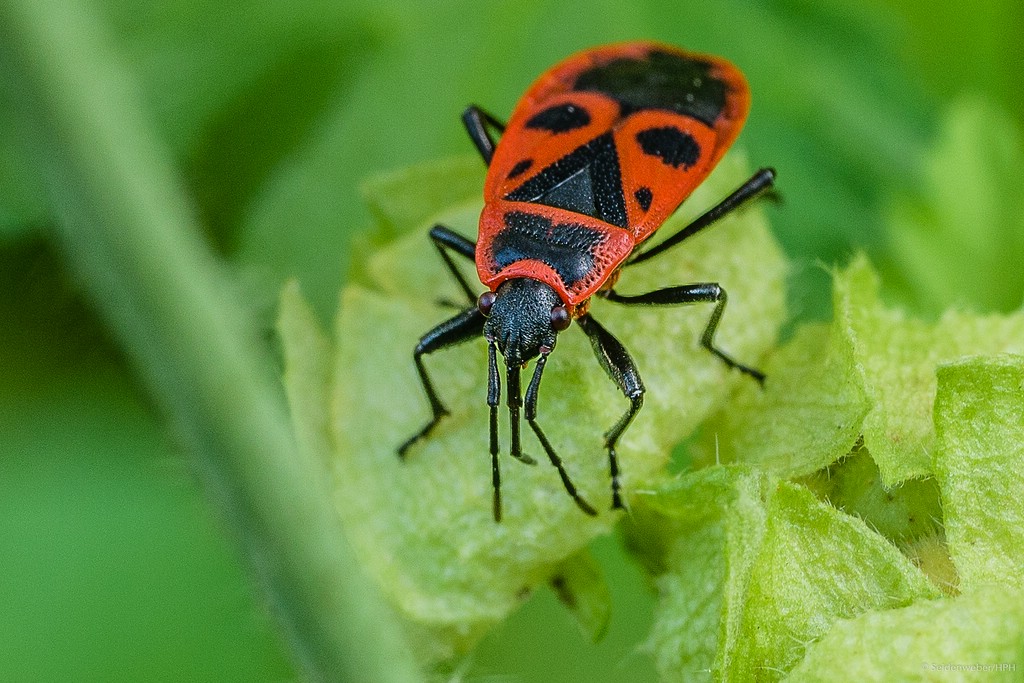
962, 242
197, 60
580, 586
234, 88
307, 373
953, 52
22, 208
124, 226
397, 210
106, 542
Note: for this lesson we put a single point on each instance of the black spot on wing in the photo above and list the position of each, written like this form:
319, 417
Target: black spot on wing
587, 180
671, 145
559, 118
567, 247
520, 168
644, 197
662, 80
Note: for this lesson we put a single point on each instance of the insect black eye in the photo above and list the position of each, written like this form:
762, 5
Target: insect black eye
485, 302
560, 318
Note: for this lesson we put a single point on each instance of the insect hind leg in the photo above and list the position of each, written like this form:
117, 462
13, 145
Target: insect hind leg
761, 182
702, 292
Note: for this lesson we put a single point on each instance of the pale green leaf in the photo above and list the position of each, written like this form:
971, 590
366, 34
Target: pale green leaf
907, 514
976, 637
979, 416
898, 355
808, 414
871, 373
767, 568
406, 198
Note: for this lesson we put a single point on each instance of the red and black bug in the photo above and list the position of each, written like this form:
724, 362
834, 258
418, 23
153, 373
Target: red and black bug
600, 150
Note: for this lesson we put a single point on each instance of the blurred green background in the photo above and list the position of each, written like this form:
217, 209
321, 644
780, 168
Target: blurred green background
879, 115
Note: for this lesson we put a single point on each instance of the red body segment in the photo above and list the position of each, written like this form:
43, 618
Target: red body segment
598, 153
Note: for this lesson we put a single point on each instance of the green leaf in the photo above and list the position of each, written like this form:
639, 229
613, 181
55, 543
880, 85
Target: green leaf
953, 51
897, 357
423, 527
22, 205
438, 185
760, 570
871, 373
580, 585
808, 415
979, 416
962, 242
905, 514
972, 637
307, 373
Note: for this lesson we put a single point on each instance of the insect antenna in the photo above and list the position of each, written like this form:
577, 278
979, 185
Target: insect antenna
515, 402
493, 398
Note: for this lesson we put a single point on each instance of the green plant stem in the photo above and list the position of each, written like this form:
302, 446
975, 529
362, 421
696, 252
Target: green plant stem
127, 231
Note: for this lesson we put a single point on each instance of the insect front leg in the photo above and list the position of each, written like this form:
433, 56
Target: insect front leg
477, 122
620, 367
704, 292
455, 330
531, 418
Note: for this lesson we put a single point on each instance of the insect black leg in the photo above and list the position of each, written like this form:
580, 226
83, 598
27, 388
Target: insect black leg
446, 239
477, 122
620, 367
531, 418
493, 396
705, 292
763, 180
455, 330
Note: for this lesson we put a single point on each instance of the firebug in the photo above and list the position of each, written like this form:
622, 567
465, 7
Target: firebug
598, 153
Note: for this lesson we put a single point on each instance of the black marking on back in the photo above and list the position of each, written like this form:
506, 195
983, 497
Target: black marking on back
587, 180
662, 80
559, 118
567, 247
644, 197
520, 168
673, 146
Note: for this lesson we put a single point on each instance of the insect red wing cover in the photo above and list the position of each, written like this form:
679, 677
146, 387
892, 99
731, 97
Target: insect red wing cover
627, 89
598, 153
525, 149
